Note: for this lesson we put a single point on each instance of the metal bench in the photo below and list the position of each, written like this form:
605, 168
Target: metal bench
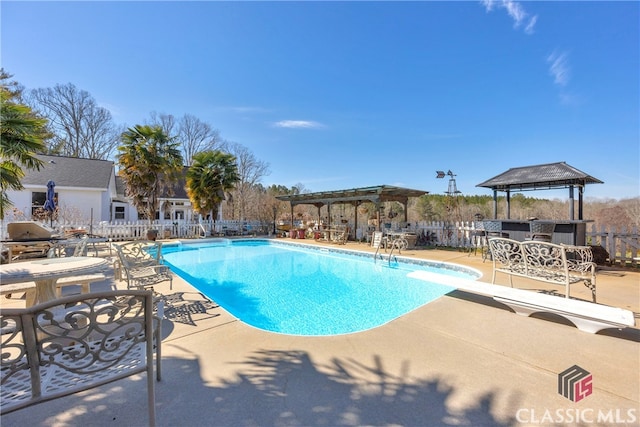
543, 261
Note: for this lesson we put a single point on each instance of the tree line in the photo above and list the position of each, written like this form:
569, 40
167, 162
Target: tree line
152, 156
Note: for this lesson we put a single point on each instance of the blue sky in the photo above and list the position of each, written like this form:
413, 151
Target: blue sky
338, 95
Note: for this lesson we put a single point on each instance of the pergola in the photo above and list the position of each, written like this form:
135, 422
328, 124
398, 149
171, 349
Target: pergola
355, 196
540, 177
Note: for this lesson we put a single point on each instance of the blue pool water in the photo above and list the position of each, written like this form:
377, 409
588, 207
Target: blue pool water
303, 291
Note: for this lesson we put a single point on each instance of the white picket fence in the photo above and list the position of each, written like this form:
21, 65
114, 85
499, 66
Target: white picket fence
120, 231
622, 245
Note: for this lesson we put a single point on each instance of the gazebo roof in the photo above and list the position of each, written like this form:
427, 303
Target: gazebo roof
381, 193
547, 176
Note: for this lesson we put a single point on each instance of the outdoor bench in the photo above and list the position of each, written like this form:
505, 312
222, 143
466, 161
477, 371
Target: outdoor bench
79, 342
29, 288
544, 261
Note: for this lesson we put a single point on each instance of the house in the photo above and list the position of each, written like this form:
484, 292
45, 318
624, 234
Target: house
88, 191
172, 207
84, 188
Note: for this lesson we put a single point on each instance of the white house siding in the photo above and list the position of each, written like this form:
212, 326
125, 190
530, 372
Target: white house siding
21, 200
84, 201
74, 204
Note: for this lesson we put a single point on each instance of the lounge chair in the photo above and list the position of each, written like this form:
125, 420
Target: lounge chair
140, 264
74, 248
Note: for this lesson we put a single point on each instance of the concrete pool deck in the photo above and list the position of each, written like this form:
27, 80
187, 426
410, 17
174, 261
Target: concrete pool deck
460, 360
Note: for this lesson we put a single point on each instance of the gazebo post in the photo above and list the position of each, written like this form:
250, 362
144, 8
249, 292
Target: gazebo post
292, 228
495, 204
406, 215
355, 213
580, 194
571, 204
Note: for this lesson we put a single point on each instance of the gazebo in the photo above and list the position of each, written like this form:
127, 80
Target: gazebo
355, 196
540, 177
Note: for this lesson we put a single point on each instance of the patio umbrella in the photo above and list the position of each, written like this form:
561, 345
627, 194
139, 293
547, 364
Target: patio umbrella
50, 204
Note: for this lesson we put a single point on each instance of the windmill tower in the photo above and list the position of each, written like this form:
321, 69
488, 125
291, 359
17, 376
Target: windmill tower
452, 203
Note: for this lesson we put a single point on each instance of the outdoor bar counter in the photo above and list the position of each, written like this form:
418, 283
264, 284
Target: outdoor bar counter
569, 232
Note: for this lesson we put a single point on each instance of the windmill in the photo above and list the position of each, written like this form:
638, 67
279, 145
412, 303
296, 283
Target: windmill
453, 208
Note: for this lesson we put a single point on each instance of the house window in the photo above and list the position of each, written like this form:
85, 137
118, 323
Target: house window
38, 198
118, 212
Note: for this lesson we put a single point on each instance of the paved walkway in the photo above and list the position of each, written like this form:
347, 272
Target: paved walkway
460, 360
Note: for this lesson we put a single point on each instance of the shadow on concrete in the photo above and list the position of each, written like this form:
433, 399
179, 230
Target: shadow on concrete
181, 307
271, 388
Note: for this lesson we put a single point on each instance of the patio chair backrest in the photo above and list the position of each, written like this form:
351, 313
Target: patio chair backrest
542, 227
139, 253
75, 343
492, 226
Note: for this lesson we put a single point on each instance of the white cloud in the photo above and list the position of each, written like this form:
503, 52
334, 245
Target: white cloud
559, 68
488, 4
532, 23
515, 11
298, 124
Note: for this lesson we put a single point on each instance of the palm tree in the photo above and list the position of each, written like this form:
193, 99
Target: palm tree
150, 164
22, 135
211, 174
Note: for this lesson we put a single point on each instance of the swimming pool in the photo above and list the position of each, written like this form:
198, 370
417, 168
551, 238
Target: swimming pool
305, 290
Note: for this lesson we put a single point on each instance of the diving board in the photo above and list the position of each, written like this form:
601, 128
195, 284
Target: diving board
586, 316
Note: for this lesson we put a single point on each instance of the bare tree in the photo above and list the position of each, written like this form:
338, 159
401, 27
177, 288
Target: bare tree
632, 208
193, 134
196, 136
251, 170
167, 123
79, 126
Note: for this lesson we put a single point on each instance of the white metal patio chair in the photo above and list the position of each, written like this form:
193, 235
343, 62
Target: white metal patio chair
76, 343
140, 264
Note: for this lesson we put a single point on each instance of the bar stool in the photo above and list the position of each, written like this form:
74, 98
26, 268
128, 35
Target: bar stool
541, 230
492, 228
477, 237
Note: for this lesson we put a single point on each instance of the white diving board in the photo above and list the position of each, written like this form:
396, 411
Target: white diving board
586, 316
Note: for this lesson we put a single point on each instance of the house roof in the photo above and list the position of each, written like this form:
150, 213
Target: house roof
179, 188
70, 172
380, 193
546, 176
120, 189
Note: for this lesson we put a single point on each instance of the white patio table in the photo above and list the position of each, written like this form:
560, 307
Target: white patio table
46, 272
